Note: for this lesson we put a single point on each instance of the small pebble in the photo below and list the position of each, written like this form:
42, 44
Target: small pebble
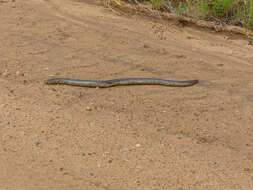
219, 65
138, 182
145, 46
137, 145
88, 108
5, 73
19, 73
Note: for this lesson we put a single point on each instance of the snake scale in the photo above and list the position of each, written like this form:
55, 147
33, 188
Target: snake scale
120, 82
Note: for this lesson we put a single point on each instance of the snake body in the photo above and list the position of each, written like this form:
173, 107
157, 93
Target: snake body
120, 82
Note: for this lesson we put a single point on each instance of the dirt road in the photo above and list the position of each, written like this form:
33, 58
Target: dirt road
131, 137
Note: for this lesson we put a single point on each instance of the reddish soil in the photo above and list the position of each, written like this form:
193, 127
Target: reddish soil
129, 137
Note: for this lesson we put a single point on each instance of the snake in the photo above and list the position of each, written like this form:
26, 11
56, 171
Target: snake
120, 82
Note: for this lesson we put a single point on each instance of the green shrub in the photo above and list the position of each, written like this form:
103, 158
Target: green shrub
229, 11
156, 4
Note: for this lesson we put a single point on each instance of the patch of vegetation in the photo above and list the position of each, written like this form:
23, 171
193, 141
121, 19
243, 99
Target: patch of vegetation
156, 4
235, 12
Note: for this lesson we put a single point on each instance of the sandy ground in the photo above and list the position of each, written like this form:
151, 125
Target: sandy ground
131, 137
